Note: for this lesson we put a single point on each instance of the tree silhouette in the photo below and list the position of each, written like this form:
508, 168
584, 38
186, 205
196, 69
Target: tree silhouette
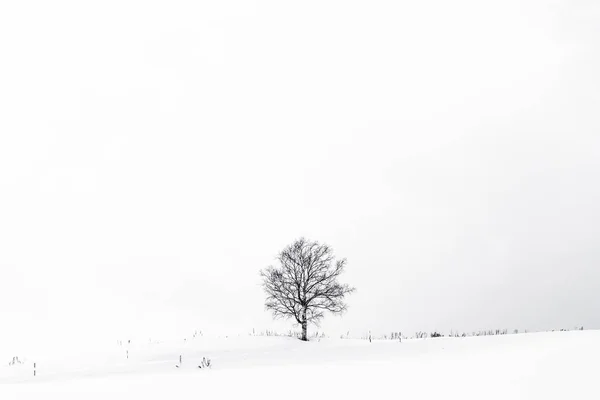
305, 285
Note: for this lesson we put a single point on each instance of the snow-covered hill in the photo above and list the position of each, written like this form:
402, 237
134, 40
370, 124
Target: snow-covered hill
555, 365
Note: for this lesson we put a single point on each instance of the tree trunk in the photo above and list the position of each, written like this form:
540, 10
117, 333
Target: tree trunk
304, 326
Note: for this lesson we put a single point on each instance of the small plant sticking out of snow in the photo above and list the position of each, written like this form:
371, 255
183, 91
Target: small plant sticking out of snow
15, 361
206, 363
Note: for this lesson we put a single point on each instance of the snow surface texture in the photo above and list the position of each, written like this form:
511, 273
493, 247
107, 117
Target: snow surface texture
556, 365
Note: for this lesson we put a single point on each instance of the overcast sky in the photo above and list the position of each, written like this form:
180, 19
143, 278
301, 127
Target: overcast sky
155, 155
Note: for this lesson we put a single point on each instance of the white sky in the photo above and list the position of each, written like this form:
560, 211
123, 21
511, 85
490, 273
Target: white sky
154, 155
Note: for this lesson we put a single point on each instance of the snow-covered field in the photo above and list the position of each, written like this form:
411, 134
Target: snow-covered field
556, 365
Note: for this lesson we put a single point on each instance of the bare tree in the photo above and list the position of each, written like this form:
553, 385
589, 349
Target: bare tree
305, 285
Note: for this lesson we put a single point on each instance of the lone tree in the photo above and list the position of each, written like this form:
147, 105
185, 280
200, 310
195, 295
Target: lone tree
305, 285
